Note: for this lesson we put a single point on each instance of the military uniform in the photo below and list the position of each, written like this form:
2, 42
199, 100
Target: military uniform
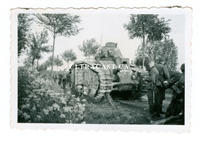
153, 92
163, 76
174, 77
64, 81
176, 106
68, 79
60, 79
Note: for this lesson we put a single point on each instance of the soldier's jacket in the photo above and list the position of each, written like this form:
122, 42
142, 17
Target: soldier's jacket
174, 77
68, 77
154, 74
181, 84
60, 76
163, 73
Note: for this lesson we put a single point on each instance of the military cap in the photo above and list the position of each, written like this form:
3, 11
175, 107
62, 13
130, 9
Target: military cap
183, 67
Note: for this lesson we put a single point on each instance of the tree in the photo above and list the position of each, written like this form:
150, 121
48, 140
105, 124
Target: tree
27, 62
139, 58
48, 61
68, 55
38, 45
156, 49
42, 67
58, 62
59, 25
89, 47
24, 22
147, 27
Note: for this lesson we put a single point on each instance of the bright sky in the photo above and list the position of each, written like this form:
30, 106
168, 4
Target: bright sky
108, 23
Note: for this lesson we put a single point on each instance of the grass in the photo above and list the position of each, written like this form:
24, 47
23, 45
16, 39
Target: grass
103, 113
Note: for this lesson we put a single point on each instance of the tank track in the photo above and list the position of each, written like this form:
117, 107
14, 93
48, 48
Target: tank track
105, 85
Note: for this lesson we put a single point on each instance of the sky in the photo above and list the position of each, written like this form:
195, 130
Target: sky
106, 25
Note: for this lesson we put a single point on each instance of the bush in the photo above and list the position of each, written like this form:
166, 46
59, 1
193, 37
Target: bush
40, 102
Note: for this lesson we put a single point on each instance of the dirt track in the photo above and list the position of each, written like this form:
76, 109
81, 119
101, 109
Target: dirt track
143, 107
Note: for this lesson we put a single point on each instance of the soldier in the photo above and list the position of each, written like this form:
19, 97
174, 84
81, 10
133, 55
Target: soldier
176, 106
153, 91
68, 78
64, 79
55, 78
60, 78
174, 77
163, 76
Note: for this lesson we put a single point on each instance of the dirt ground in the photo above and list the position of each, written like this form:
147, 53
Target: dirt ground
125, 112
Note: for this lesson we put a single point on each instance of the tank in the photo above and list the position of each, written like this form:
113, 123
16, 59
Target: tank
109, 72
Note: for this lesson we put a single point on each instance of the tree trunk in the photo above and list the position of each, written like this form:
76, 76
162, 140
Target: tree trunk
68, 64
54, 37
37, 64
32, 63
143, 45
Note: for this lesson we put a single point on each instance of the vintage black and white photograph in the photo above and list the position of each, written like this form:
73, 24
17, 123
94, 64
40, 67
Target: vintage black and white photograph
101, 66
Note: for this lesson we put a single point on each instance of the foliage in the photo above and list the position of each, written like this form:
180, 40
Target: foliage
156, 49
27, 62
42, 67
39, 102
147, 27
24, 22
68, 55
89, 47
37, 44
59, 25
48, 61
58, 61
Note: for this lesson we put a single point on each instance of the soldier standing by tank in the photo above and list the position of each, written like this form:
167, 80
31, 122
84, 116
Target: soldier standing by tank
163, 76
153, 91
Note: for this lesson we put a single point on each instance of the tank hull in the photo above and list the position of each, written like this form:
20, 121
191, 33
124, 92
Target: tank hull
98, 82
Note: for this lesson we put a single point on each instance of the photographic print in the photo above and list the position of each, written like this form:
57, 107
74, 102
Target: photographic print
104, 68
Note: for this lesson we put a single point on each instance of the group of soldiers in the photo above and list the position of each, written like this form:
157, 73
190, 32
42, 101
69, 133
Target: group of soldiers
160, 81
62, 79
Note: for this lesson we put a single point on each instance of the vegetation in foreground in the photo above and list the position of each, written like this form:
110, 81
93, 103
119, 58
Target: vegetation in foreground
40, 100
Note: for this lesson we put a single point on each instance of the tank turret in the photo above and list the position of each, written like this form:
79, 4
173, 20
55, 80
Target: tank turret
110, 52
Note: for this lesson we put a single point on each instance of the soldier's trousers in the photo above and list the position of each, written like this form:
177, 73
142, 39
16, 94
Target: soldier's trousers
64, 83
162, 93
155, 104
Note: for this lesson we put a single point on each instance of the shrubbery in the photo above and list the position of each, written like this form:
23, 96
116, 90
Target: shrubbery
40, 100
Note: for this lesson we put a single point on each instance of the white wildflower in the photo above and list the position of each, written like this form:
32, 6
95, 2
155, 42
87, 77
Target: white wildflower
26, 116
62, 116
46, 111
56, 106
